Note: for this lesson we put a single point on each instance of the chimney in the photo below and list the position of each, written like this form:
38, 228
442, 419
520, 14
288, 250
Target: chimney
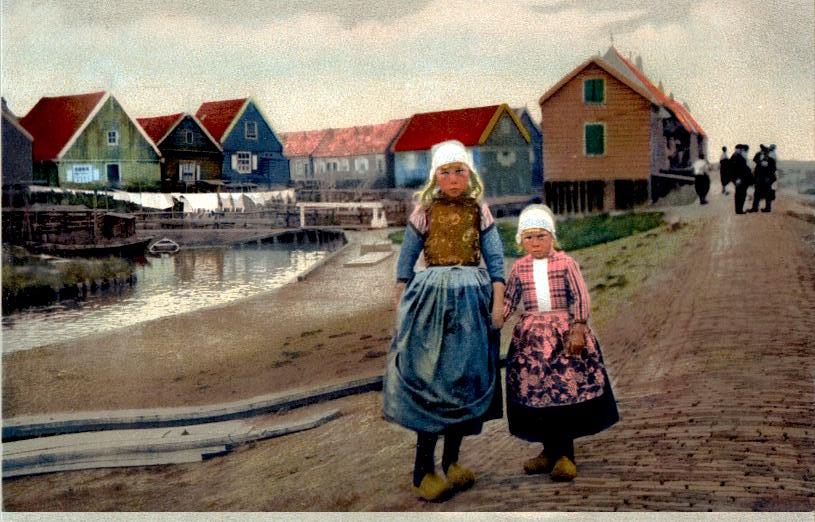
661, 87
671, 96
639, 63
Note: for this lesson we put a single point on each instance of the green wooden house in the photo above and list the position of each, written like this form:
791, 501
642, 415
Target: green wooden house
89, 140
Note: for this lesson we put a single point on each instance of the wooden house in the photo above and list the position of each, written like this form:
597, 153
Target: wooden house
89, 140
498, 141
16, 151
357, 157
190, 152
612, 138
252, 153
298, 147
536, 149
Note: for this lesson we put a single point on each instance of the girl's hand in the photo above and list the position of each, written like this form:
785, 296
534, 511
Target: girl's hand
497, 316
577, 339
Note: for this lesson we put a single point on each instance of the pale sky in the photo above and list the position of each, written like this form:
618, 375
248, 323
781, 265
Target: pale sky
746, 68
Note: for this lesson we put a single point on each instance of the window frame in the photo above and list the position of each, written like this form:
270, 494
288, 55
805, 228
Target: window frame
83, 167
247, 160
189, 137
246, 126
115, 142
602, 99
586, 126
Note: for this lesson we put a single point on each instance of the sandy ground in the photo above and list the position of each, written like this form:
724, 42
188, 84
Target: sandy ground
646, 293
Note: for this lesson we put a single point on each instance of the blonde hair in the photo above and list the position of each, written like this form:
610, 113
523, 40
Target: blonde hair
475, 187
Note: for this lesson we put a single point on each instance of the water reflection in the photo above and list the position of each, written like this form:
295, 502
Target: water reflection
190, 280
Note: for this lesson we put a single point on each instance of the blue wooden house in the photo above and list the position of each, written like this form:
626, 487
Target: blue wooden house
536, 150
252, 153
17, 146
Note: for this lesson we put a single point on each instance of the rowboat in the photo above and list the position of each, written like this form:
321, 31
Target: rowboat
163, 246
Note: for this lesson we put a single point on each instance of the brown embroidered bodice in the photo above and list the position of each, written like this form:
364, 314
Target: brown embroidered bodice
453, 236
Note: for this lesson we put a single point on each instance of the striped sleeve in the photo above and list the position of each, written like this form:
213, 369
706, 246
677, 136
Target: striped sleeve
418, 220
577, 287
486, 217
512, 292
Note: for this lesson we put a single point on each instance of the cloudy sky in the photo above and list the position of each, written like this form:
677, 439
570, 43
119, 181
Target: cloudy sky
746, 68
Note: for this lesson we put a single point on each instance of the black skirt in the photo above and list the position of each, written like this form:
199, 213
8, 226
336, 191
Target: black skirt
569, 421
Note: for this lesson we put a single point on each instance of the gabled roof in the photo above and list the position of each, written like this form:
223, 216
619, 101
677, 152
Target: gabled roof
219, 116
54, 122
616, 59
624, 71
302, 143
159, 127
470, 126
355, 141
521, 111
15, 121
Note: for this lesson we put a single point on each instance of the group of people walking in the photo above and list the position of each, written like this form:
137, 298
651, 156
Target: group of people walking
735, 169
442, 377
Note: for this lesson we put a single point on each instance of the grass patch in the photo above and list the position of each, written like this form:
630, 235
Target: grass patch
577, 233
397, 237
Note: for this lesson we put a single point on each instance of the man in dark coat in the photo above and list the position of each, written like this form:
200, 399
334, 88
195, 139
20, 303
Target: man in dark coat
764, 174
741, 174
724, 170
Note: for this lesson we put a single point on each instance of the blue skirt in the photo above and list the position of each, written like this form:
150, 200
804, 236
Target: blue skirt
442, 369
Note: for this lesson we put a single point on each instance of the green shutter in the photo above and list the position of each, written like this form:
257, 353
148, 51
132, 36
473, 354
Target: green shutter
595, 139
594, 91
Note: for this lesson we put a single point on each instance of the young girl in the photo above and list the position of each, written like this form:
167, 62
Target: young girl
556, 383
442, 373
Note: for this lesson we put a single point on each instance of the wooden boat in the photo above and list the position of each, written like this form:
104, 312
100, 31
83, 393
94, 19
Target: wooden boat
163, 246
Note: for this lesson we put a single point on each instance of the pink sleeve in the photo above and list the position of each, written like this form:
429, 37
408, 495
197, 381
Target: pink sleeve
577, 286
418, 220
486, 217
512, 292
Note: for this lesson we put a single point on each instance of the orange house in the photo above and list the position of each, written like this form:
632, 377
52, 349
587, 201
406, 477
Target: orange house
612, 139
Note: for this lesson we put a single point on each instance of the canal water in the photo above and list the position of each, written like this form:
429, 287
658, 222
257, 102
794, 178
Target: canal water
190, 280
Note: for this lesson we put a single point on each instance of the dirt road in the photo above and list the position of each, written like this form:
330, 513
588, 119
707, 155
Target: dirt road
712, 361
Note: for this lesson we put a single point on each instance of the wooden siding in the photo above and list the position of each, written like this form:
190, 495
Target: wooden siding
626, 115
503, 160
138, 161
201, 151
272, 166
17, 162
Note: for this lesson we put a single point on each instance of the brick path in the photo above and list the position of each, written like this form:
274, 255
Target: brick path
714, 371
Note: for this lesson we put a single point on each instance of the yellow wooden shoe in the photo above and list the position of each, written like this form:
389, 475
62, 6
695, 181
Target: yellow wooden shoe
540, 464
564, 470
460, 477
433, 488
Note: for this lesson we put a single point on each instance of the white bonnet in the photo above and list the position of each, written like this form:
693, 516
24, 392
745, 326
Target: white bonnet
536, 216
450, 151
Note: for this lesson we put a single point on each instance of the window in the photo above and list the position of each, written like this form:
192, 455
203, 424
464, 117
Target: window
251, 128
81, 174
361, 164
113, 137
380, 164
189, 138
305, 168
244, 164
594, 90
345, 165
595, 139
189, 171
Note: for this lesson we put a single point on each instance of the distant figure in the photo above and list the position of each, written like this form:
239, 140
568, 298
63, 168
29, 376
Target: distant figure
724, 170
765, 176
741, 175
701, 178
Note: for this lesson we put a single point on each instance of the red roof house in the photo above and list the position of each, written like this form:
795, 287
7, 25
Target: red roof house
90, 139
494, 135
612, 139
252, 152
